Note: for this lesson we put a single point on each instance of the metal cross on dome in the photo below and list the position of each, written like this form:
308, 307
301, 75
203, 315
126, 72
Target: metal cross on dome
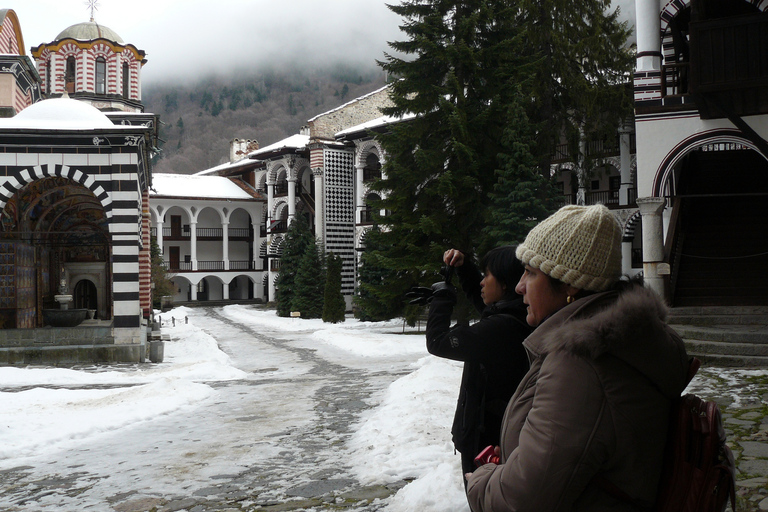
93, 6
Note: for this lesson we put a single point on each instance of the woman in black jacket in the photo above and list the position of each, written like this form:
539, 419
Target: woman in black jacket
494, 358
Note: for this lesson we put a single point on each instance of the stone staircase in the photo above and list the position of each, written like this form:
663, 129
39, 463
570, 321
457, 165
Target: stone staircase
724, 335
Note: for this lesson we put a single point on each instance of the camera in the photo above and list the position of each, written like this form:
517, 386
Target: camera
487, 456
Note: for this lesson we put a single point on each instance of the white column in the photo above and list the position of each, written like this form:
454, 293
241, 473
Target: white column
626, 257
192, 292
159, 226
359, 174
651, 209
225, 244
225, 291
319, 203
626, 164
291, 199
193, 244
270, 200
648, 27
256, 242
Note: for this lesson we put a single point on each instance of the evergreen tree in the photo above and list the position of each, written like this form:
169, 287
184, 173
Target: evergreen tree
334, 307
160, 277
297, 238
371, 301
309, 284
522, 197
440, 164
582, 76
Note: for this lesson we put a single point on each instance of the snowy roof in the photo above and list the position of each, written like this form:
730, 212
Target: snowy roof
227, 166
349, 103
60, 113
292, 142
191, 186
373, 123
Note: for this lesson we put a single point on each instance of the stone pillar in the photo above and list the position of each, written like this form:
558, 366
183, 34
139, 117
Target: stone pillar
225, 244
359, 189
648, 27
159, 237
319, 203
256, 244
651, 209
225, 291
270, 200
192, 292
291, 199
625, 149
193, 244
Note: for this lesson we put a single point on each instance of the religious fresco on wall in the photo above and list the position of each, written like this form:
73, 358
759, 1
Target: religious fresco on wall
48, 222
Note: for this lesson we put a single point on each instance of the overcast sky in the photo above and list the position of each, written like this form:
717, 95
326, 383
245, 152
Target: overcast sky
189, 38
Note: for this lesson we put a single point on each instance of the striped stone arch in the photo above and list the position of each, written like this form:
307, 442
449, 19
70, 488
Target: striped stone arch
361, 236
614, 161
628, 233
280, 206
263, 249
298, 166
276, 246
663, 183
20, 179
273, 170
367, 147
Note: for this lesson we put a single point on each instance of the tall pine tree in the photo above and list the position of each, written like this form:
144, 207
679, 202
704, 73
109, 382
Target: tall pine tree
521, 196
581, 89
440, 164
334, 307
310, 283
297, 238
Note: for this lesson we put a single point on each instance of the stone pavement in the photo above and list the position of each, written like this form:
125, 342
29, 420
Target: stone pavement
742, 395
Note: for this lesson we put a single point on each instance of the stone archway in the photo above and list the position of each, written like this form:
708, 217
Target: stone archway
52, 225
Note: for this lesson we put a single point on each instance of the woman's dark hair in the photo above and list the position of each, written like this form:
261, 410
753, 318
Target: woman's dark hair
504, 266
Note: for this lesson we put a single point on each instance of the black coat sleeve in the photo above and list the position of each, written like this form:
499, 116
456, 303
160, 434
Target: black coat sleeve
492, 339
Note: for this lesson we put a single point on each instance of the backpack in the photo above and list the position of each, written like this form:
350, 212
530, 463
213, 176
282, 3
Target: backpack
699, 473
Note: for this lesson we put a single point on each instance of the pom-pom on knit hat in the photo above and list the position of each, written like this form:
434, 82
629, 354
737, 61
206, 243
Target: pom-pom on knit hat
578, 245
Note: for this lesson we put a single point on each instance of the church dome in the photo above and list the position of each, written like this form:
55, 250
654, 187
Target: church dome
61, 113
89, 31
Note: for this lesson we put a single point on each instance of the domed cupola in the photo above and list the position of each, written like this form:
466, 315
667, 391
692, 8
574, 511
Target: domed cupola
90, 62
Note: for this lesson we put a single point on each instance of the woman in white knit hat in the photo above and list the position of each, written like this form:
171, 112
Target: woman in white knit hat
588, 422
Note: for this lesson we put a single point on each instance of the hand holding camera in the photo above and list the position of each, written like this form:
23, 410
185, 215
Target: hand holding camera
489, 455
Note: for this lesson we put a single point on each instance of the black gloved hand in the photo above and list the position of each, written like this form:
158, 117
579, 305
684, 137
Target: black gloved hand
419, 295
443, 289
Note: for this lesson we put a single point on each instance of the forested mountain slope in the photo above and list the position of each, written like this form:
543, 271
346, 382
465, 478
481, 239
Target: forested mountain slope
199, 119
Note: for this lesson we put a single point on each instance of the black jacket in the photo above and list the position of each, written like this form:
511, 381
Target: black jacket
494, 360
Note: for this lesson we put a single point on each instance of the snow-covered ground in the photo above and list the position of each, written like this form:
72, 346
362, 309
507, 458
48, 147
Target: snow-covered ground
404, 435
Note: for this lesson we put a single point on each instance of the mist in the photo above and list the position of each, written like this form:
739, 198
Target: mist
186, 40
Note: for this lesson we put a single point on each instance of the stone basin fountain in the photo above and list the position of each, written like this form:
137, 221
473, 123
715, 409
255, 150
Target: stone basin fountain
63, 317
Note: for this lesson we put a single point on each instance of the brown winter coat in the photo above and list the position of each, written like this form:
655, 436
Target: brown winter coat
596, 401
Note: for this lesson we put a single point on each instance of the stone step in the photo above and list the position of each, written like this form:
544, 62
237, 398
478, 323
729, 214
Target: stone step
713, 320
731, 360
724, 348
729, 333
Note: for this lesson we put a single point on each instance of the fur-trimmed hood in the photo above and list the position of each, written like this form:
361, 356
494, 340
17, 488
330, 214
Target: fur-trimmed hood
630, 325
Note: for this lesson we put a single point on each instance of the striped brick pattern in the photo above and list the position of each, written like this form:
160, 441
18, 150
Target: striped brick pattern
8, 42
113, 179
145, 271
85, 55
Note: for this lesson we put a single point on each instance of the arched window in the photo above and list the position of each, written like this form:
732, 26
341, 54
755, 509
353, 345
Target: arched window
70, 74
101, 76
126, 80
372, 169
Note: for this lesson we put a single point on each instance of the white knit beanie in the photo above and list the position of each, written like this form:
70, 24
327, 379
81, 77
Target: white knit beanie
578, 245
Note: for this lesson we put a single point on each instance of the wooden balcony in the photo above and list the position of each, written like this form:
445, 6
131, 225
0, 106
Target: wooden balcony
729, 65
610, 198
211, 266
